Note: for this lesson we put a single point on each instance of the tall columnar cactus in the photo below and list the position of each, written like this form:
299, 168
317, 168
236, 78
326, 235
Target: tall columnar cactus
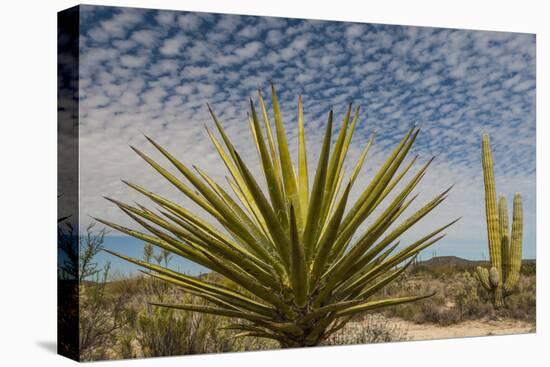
504, 248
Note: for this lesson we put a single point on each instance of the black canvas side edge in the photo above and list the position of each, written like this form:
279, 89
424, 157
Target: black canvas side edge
67, 180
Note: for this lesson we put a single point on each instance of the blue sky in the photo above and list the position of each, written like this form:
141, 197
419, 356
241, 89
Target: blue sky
154, 71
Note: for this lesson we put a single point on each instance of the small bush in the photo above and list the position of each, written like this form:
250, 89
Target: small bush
373, 329
459, 297
101, 313
528, 268
162, 333
125, 346
522, 304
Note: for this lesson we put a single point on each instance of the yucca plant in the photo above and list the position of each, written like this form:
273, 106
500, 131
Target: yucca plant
301, 268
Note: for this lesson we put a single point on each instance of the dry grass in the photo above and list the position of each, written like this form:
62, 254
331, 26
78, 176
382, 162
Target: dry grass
459, 298
371, 329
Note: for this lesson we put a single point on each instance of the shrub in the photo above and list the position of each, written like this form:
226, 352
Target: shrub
125, 345
522, 305
101, 313
162, 333
373, 329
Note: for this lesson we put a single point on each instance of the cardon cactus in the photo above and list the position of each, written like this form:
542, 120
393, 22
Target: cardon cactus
504, 248
299, 268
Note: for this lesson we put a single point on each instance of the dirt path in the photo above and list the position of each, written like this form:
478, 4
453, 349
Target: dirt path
464, 329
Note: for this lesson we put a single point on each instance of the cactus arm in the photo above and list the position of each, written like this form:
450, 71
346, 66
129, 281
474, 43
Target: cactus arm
504, 237
491, 205
483, 276
493, 230
515, 244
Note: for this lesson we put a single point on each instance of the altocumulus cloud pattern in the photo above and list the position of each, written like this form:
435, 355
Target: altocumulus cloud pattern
154, 71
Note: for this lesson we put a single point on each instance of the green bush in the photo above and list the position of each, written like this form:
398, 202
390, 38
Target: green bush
125, 345
522, 304
372, 329
528, 268
162, 333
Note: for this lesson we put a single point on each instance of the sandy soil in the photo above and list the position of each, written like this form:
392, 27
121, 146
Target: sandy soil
464, 329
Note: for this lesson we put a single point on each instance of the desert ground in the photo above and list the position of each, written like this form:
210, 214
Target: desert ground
468, 328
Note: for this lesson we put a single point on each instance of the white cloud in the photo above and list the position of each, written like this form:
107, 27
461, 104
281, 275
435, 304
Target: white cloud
298, 45
523, 86
249, 50
96, 101
98, 34
189, 22
166, 66
194, 72
249, 31
355, 30
186, 89
274, 37
165, 18
206, 89
129, 99
172, 46
119, 24
145, 37
132, 61
227, 24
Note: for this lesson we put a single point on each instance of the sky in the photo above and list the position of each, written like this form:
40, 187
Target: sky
152, 72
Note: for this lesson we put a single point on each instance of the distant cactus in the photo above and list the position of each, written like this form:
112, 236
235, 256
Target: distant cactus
504, 248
